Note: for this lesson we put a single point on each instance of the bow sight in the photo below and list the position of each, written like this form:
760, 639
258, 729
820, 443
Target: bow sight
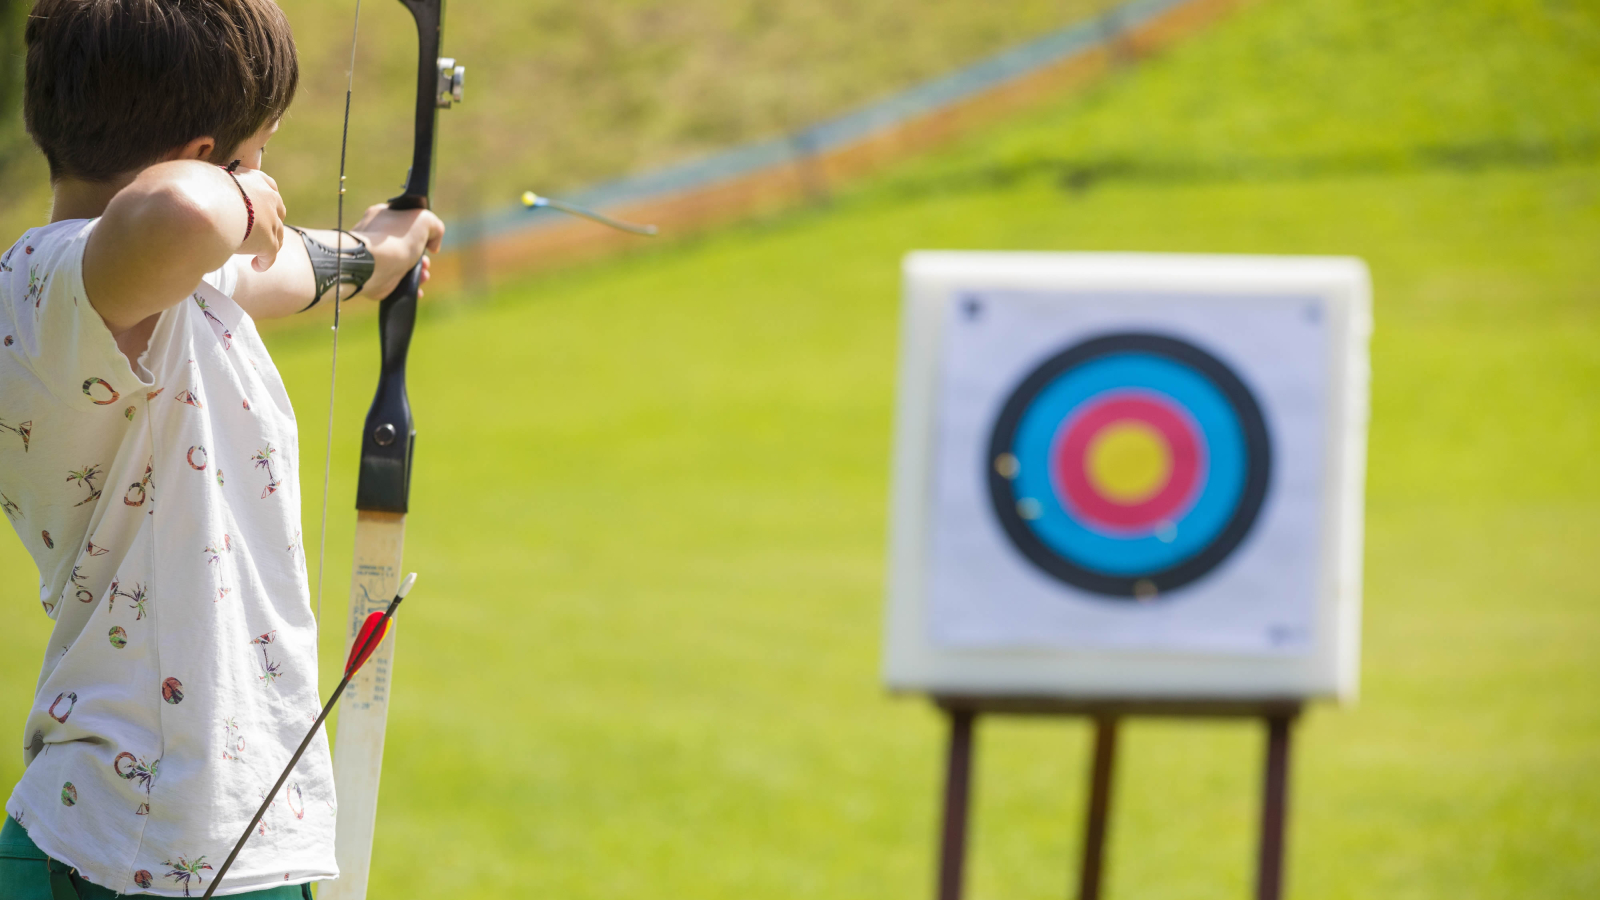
452, 78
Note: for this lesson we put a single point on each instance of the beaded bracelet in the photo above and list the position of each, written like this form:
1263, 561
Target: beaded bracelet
249, 208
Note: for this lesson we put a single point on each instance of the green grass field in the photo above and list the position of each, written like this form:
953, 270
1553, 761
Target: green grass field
650, 500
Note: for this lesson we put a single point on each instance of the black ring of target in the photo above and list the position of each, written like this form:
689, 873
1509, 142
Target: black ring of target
1258, 467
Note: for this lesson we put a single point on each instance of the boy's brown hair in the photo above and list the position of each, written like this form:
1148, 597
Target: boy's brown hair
113, 85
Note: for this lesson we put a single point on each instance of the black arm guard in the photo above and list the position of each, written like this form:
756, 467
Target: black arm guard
329, 265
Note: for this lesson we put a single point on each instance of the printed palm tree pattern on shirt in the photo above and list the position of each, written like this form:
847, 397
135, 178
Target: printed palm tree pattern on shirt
132, 768
261, 826
23, 430
263, 460
36, 285
213, 552
85, 477
215, 549
136, 597
270, 671
232, 739
183, 871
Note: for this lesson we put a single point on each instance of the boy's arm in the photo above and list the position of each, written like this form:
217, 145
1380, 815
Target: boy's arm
174, 223
396, 239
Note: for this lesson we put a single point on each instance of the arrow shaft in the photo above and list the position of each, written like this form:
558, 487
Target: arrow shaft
574, 209
373, 638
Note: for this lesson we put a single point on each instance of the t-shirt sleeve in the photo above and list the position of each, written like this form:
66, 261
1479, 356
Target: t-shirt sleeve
55, 331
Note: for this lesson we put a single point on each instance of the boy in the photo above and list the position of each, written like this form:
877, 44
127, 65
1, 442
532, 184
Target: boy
148, 455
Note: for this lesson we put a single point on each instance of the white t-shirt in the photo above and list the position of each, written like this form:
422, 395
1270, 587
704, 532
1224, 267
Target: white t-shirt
161, 503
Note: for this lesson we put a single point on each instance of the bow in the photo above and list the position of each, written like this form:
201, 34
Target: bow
384, 485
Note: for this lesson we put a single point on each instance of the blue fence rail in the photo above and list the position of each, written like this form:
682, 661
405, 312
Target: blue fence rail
925, 99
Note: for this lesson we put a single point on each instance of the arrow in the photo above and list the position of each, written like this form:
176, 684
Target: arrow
535, 201
372, 633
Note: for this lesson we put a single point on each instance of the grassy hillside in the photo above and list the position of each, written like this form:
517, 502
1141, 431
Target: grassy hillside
1310, 87
562, 94
650, 498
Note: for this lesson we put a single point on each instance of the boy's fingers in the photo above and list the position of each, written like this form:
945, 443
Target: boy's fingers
435, 232
271, 231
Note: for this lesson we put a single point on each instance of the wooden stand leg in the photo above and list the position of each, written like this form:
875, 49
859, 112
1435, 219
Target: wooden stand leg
957, 783
1094, 829
1274, 809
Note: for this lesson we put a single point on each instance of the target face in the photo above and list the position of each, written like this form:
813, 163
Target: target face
1129, 464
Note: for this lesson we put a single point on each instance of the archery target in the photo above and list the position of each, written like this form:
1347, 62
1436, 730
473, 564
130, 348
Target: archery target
1128, 475
1129, 464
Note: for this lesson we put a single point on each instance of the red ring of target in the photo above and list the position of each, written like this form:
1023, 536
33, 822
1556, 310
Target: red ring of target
1185, 452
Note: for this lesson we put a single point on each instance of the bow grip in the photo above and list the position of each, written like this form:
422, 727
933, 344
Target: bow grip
384, 484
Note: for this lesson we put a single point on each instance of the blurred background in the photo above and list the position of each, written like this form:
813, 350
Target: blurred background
650, 490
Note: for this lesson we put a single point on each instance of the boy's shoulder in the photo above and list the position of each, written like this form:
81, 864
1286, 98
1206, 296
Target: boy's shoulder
44, 242
41, 255
52, 336
47, 261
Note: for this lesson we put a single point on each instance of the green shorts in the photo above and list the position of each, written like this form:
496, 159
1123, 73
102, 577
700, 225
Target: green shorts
27, 874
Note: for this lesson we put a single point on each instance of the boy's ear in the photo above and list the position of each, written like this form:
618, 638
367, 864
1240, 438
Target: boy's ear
200, 148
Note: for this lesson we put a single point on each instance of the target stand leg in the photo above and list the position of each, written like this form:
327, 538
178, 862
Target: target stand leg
957, 790
1274, 808
1095, 823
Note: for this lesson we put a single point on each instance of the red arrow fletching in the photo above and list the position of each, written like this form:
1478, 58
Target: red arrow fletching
366, 641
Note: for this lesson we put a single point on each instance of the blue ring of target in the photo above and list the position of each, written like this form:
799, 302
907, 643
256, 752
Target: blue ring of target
1222, 479
1139, 565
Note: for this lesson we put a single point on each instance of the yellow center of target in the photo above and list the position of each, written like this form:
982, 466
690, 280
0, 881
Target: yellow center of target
1128, 462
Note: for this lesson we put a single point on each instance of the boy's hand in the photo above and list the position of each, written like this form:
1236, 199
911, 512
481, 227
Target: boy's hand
397, 239
161, 233
266, 235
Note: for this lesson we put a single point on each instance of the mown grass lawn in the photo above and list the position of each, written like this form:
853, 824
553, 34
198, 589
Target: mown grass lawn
649, 514
650, 517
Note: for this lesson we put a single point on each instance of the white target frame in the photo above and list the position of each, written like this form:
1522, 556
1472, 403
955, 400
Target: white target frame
916, 659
